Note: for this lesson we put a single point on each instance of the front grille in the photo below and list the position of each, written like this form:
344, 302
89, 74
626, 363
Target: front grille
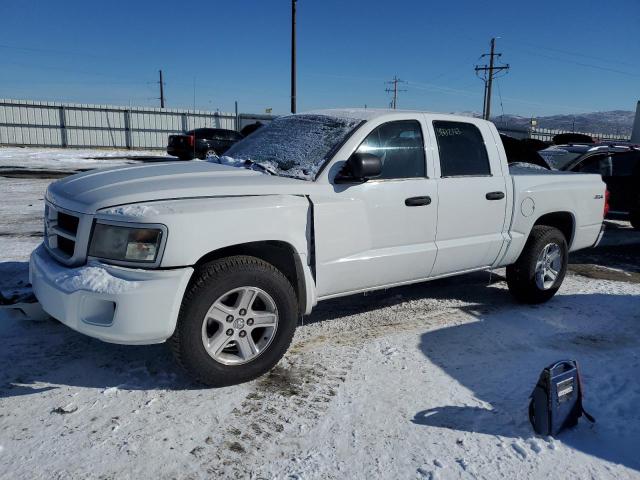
66, 234
68, 223
66, 246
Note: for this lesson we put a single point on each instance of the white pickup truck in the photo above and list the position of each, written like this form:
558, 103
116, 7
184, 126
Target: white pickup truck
222, 259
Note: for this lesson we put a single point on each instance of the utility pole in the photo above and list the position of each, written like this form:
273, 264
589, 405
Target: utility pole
394, 90
488, 74
293, 56
161, 91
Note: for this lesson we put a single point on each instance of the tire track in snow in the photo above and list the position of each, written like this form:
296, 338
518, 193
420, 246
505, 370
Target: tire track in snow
292, 398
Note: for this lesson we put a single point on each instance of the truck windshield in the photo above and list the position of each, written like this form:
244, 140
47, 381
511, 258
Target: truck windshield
293, 146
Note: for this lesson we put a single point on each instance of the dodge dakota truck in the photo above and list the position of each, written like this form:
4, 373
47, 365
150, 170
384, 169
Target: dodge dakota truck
221, 260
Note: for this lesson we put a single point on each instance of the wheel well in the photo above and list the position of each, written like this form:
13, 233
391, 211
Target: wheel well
563, 221
279, 254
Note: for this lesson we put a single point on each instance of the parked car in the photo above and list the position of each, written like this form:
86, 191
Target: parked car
252, 127
222, 261
619, 165
202, 143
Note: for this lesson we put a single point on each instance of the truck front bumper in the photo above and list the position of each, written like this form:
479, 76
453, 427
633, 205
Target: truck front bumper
113, 304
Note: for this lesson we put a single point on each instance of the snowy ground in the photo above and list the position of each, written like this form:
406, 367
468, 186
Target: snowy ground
71, 158
24, 176
427, 381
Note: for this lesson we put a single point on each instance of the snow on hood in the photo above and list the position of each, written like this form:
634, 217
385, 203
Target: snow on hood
112, 187
136, 210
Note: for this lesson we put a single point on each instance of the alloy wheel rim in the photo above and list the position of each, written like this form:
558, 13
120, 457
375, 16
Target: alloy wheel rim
548, 266
240, 325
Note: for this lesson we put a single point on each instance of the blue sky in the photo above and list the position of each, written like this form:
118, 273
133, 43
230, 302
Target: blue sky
566, 56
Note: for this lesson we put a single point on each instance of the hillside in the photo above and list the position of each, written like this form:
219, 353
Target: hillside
616, 122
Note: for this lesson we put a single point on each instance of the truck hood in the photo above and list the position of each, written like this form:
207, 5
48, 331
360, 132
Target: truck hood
90, 191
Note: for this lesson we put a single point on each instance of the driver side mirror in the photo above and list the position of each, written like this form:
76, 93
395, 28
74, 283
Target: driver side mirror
359, 168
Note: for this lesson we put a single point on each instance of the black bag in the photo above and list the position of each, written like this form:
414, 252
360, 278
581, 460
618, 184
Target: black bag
556, 402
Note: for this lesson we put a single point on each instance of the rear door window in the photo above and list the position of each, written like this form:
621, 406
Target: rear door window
199, 133
462, 150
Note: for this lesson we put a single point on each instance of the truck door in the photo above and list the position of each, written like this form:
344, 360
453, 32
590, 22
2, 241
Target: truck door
380, 232
472, 199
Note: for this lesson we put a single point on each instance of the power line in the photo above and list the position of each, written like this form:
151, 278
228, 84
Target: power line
394, 90
488, 74
582, 64
576, 54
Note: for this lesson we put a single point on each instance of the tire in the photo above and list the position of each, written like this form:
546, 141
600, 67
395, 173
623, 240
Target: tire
524, 283
218, 287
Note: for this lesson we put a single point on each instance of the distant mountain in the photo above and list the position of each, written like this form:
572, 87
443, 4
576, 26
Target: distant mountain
616, 122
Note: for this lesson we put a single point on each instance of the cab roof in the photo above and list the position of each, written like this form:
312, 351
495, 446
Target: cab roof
367, 114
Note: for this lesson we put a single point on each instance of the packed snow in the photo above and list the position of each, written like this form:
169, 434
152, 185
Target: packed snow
72, 158
135, 210
92, 278
426, 381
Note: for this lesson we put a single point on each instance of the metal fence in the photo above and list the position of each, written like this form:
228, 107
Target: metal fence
546, 134
54, 124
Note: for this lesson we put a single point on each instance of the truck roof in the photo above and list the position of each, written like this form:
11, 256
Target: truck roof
371, 113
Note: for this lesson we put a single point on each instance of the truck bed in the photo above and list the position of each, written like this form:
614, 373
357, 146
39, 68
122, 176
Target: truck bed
538, 192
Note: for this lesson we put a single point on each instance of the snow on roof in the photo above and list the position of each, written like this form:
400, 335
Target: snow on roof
356, 113
371, 113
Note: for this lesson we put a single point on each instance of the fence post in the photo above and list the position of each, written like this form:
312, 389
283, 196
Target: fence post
63, 127
184, 122
127, 129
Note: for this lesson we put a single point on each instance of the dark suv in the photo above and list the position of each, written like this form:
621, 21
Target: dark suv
202, 143
619, 165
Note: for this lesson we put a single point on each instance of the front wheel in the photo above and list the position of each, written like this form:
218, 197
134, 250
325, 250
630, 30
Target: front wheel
539, 271
236, 321
211, 155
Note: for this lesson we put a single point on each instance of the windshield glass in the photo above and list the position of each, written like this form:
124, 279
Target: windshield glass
558, 158
293, 146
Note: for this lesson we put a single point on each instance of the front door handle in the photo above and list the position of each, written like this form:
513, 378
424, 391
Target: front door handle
417, 201
495, 195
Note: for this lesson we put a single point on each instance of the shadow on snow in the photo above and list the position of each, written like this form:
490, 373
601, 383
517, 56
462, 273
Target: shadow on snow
499, 357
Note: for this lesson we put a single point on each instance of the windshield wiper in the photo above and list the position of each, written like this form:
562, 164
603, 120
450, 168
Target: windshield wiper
251, 163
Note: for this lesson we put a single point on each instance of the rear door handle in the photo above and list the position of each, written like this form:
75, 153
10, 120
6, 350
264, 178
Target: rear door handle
417, 201
495, 195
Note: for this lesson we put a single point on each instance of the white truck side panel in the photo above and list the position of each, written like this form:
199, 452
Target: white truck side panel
199, 226
580, 195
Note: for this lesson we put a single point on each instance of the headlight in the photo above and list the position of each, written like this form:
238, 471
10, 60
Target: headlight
126, 244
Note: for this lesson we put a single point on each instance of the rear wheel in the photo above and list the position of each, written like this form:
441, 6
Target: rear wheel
539, 271
236, 321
